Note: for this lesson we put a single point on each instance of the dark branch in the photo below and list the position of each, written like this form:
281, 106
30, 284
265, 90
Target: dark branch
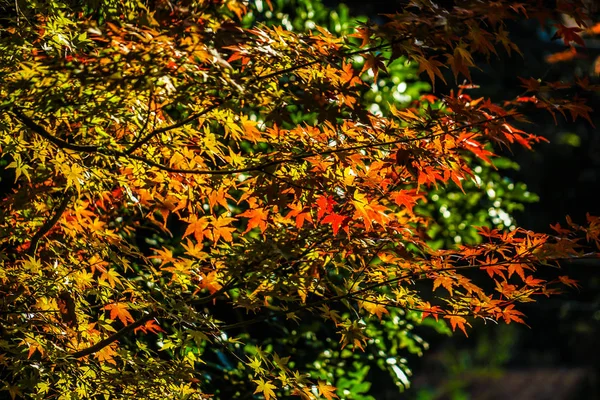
28, 122
49, 224
113, 338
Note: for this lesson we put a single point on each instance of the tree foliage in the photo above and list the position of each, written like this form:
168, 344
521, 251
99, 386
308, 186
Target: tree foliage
179, 178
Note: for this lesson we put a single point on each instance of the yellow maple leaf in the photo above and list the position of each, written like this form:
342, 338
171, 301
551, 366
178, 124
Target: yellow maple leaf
74, 175
361, 205
374, 308
266, 388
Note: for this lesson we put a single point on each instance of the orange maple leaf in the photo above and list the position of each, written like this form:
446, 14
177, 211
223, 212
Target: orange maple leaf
568, 281
106, 354
457, 320
509, 315
326, 390
119, 310
149, 326
446, 281
257, 218
324, 206
336, 222
197, 227
297, 210
222, 229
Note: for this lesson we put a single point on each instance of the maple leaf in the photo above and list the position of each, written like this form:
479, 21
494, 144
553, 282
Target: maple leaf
531, 281
149, 326
119, 310
326, 390
33, 345
257, 218
20, 167
568, 35
432, 67
112, 276
209, 282
494, 270
194, 250
364, 34
218, 196
446, 281
266, 388
107, 354
324, 206
457, 320
256, 365
336, 221
428, 309
509, 315
362, 207
531, 84
374, 63
165, 255
519, 269
222, 229
406, 198
374, 308
197, 227
297, 210
578, 109
568, 281
74, 175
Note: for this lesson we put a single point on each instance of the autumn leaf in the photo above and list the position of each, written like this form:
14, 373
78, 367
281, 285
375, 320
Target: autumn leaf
326, 390
197, 164
209, 282
149, 326
222, 229
494, 270
107, 354
568, 35
119, 310
112, 276
298, 211
266, 388
445, 281
568, 281
197, 227
257, 218
374, 308
324, 206
432, 67
256, 365
406, 198
361, 205
336, 221
458, 321
518, 268
375, 64
510, 314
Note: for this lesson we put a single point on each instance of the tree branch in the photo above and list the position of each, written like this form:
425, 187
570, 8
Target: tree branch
49, 224
28, 122
113, 338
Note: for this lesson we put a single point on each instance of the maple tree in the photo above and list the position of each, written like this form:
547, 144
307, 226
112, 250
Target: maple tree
178, 177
